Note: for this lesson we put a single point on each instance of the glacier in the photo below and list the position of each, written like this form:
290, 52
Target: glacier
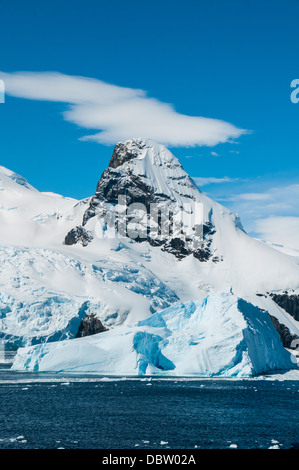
44, 295
221, 335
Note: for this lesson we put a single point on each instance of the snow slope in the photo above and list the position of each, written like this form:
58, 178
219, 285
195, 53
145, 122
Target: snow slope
31, 218
221, 335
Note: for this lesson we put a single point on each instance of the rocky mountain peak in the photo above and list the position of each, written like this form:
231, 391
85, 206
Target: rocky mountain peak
145, 173
126, 151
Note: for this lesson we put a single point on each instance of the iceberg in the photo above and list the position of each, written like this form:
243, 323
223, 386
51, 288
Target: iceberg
221, 335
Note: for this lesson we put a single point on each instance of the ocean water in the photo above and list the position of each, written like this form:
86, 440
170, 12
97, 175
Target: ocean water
50, 411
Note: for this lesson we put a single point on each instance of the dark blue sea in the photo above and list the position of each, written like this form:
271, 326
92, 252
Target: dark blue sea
47, 411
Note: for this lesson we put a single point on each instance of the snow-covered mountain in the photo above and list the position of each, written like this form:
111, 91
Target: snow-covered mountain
65, 262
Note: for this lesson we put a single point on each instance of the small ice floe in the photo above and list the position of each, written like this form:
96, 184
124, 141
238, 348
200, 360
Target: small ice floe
19, 439
275, 444
145, 442
25, 388
163, 443
233, 446
65, 383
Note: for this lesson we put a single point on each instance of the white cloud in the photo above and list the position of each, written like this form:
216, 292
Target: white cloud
262, 200
254, 196
211, 180
279, 230
119, 113
268, 207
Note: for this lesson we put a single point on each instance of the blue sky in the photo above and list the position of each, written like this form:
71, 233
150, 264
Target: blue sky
226, 60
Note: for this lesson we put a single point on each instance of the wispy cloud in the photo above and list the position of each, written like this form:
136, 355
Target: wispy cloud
118, 113
268, 209
253, 196
280, 230
211, 180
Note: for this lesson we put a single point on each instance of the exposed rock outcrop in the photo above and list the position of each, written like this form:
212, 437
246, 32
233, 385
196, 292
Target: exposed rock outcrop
287, 338
289, 302
78, 235
90, 325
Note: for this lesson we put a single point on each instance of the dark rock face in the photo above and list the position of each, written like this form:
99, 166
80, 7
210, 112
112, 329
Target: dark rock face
285, 335
133, 188
204, 253
181, 248
122, 154
78, 235
113, 184
90, 325
289, 302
